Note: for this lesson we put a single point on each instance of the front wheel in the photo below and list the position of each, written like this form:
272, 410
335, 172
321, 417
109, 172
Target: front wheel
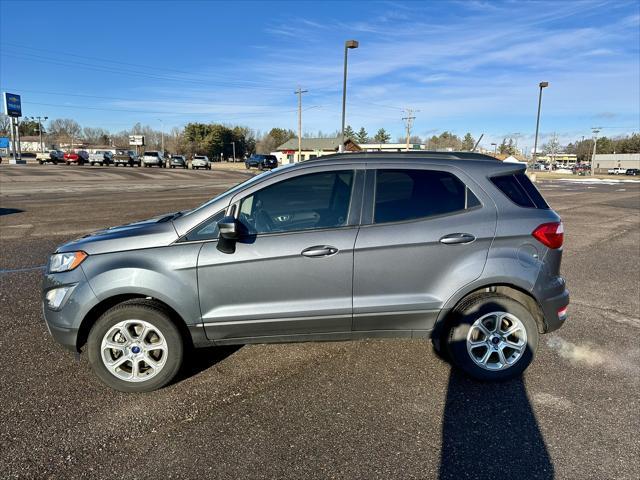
135, 347
491, 337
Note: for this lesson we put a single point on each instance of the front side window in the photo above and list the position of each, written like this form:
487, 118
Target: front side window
410, 194
207, 230
312, 201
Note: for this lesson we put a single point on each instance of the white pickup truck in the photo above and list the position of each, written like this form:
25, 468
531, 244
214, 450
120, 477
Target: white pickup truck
617, 171
53, 156
101, 157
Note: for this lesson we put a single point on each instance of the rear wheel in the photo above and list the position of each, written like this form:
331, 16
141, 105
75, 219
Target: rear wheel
135, 347
491, 337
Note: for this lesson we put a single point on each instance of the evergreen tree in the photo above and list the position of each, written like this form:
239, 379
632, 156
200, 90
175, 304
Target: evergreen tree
349, 133
362, 136
468, 142
382, 136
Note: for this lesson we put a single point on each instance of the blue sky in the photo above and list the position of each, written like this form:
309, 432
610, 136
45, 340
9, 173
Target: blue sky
465, 65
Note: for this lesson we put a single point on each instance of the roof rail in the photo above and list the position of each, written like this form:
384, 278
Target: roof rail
406, 154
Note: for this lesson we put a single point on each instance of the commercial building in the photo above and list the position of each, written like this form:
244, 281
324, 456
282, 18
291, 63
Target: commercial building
391, 147
603, 162
312, 148
558, 158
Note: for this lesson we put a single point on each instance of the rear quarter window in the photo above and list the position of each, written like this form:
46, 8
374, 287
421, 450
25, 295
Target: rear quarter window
520, 190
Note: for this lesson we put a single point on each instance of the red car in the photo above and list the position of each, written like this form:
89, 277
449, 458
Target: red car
79, 157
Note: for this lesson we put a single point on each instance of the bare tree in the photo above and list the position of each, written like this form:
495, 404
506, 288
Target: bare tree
65, 129
5, 122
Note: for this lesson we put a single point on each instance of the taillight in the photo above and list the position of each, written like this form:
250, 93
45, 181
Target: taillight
550, 234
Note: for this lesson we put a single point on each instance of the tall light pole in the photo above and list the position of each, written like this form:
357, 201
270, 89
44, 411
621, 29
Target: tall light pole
495, 149
596, 130
535, 143
299, 92
162, 133
349, 44
39, 119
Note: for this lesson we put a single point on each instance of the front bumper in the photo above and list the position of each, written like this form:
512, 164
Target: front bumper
64, 322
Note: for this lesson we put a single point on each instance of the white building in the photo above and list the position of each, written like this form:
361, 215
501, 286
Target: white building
603, 162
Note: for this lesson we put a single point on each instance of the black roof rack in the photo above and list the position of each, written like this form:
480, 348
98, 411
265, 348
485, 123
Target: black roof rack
415, 154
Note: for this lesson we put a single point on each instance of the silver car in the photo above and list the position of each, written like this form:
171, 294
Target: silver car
153, 158
456, 247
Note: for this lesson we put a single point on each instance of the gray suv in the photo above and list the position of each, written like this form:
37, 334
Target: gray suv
456, 247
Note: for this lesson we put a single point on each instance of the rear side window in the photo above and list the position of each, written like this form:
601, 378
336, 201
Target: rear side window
411, 194
519, 189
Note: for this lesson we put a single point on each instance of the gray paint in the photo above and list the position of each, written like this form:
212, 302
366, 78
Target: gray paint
384, 280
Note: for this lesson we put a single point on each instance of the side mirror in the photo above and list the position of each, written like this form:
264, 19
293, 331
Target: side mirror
228, 228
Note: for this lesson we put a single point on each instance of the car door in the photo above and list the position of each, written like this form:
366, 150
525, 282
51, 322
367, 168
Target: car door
426, 233
291, 272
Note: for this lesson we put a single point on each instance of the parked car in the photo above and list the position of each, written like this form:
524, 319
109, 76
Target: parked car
50, 156
79, 157
178, 161
101, 157
466, 253
153, 158
633, 171
261, 162
200, 161
617, 171
126, 158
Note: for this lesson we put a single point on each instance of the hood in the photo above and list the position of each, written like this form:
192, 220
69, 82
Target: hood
154, 232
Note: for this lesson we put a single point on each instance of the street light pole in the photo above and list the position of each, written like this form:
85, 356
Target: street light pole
495, 149
349, 44
535, 143
299, 92
162, 133
596, 130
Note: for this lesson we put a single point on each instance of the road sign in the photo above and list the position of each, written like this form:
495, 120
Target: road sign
136, 139
12, 105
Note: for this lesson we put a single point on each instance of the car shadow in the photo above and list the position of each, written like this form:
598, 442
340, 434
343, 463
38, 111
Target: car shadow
489, 431
200, 359
9, 211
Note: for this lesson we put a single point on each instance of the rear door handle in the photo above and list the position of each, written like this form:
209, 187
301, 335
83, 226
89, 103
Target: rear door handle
457, 238
320, 251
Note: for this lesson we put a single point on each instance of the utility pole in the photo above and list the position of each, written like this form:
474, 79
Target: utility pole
408, 122
40, 130
234, 151
299, 92
162, 134
595, 130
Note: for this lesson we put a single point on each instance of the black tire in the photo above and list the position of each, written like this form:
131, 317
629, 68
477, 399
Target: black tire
40, 162
260, 167
150, 312
459, 325
247, 166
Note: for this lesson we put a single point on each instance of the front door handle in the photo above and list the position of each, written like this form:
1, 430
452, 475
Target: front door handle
320, 251
457, 238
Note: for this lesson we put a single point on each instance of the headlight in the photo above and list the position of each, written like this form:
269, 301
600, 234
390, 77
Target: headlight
63, 262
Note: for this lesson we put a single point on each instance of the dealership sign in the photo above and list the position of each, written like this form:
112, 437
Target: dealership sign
12, 105
136, 139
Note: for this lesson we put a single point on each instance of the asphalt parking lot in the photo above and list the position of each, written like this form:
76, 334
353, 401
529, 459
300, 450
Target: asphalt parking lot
369, 409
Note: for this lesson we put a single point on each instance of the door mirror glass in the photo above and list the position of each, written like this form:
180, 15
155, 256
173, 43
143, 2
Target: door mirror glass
228, 228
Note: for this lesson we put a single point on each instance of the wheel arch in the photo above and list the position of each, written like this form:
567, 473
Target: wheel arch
100, 308
510, 290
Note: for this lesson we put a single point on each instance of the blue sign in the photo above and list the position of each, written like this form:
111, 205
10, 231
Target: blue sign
12, 105
4, 142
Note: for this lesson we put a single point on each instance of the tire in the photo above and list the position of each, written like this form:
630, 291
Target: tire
40, 162
464, 338
246, 165
131, 317
260, 167
68, 163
